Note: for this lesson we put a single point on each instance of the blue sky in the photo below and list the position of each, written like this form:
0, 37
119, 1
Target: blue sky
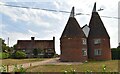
21, 23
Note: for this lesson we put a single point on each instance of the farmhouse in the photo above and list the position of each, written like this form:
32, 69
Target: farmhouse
37, 48
88, 42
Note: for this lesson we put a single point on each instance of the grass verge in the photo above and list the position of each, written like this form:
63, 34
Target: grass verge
19, 61
94, 66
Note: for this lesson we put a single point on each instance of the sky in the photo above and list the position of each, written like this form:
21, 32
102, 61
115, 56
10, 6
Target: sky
22, 24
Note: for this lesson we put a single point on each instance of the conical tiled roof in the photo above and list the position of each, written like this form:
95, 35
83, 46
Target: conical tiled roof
97, 28
72, 28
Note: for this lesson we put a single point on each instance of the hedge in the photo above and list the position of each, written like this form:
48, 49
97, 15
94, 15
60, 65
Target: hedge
19, 55
4, 55
115, 53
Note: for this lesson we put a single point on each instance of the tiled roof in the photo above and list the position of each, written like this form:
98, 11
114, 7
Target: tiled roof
72, 29
30, 44
97, 28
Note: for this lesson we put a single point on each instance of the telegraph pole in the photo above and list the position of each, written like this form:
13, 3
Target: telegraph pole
8, 41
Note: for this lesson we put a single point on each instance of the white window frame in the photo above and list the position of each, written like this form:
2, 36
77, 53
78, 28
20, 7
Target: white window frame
97, 41
84, 41
97, 52
69, 38
49, 49
23, 50
84, 52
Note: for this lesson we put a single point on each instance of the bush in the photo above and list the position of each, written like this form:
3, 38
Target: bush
19, 68
19, 55
4, 55
115, 53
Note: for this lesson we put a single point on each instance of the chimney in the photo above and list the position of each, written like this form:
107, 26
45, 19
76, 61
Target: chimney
54, 43
32, 38
54, 38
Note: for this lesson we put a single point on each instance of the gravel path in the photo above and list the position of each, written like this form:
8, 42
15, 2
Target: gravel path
27, 65
54, 61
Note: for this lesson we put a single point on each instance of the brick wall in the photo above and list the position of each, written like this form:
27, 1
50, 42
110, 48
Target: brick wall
104, 46
71, 49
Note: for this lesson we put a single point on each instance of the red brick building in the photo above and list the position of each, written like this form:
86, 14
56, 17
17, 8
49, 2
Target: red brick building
44, 48
76, 45
73, 41
98, 38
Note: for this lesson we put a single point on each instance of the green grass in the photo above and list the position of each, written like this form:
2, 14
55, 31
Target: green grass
19, 61
94, 66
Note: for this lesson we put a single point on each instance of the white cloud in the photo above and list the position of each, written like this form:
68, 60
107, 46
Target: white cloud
57, 4
26, 0
2, 26
2, 3
32, 33
36, 17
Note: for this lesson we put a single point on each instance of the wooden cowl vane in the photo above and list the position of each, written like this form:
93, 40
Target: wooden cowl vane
73, 41
98, 38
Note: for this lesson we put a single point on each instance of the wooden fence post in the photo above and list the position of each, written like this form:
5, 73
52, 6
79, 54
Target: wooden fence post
7, 67
30, 64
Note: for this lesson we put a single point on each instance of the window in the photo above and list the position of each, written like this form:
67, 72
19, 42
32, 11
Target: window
84, 41
49, 49
97, 41
69, 38
97, 52
46, 50
84, 52
23, 50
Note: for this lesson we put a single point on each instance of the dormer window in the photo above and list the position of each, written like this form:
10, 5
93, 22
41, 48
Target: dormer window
97, 41
84, 41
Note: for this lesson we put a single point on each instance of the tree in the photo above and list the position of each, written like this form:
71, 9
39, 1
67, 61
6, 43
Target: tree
3, 46
15, 46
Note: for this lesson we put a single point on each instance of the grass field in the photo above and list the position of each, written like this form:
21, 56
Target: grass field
19, 61
94, 66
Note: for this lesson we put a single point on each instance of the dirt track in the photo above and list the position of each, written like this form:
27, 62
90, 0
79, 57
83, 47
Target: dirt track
54, 61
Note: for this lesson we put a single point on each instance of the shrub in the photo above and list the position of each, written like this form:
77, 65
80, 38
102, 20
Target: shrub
4, 55
115, 53
3, 68
19, 55
19, 68
72, 71
55, 55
